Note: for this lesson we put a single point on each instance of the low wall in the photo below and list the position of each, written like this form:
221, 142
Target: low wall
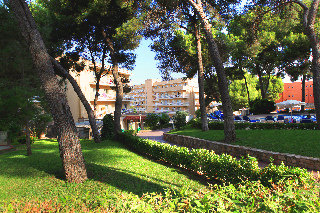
3, 138
238, 151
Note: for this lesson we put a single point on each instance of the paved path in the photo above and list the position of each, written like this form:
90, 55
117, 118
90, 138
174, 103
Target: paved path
5, 148
155, 135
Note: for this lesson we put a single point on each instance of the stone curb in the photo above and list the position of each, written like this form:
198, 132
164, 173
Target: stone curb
239, 151
11, 148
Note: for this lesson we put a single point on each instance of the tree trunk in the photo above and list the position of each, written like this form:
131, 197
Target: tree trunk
28, 139
263, 92
204, 119
309, 18
229, 128
95, 101
303, 91
69, 144
63, 73
119, 96
247, 88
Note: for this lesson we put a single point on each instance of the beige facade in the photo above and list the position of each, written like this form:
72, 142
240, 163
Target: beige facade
155, 96
107, 95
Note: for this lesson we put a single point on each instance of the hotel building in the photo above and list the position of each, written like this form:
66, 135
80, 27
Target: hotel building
87, 83
156, 96
293, 91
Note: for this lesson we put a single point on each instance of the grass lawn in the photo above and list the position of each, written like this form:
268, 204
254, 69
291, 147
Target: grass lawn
113, 171
300, 142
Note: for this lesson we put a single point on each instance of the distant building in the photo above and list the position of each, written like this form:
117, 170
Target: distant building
107, 95
293, 91
156, 96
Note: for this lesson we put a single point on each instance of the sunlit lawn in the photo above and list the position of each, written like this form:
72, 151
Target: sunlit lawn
300, 142
112, 170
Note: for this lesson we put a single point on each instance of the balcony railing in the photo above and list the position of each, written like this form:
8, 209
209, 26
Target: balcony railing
171, 104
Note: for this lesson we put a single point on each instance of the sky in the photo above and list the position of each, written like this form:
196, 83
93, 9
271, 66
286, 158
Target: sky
146, 65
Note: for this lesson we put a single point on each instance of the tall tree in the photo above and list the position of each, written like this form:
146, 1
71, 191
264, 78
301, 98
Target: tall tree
179, 49
202, 9
105, 34
310, 15
48, 23
256, 44
69, 144
229, 129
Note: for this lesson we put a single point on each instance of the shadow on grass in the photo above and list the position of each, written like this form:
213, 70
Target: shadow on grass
121, 179
46, 161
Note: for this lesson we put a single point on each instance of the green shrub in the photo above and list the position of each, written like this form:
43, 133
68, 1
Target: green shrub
216, 125
107, 131
223, 168
198, 113
195, 123
164, 120
180, 119
262, 106
152, 120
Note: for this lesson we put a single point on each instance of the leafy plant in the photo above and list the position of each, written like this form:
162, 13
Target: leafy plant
164, 120
198, 113
262, 106
152, 120
223, 168
180, 119
107, 131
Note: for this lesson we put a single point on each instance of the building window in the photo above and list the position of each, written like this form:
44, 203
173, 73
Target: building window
291, 87
310, 95
292, 96
310, 85
289, 96
306, 95
306, 86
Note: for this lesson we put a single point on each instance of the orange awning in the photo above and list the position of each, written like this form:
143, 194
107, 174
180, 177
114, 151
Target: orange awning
134, 118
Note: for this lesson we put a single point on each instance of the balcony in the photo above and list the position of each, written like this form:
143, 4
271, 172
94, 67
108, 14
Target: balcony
171, 104
106, 97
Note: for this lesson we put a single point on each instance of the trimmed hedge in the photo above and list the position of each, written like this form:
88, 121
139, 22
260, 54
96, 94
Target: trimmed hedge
195, 123
224, 168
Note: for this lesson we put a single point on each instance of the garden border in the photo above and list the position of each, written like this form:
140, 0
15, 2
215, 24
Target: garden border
239, 151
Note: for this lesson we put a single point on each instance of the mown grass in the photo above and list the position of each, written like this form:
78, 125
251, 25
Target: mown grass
113, 172
300, 142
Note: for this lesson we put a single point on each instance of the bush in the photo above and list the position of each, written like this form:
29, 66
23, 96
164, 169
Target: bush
152, 120
180, 119
224, 168
216, 125
262, 106
195, 123
164, 120
107, 131
198, 113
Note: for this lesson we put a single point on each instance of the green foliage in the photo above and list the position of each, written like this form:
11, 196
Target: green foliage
152, 120
180, 119
276, 86
216, 125
117, 183
224, 168
107, 131
198, 113
164, 120
238, 91
39, 123
293, 141
262, 106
